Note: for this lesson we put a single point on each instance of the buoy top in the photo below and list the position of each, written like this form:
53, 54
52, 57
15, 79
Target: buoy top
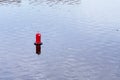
38, 34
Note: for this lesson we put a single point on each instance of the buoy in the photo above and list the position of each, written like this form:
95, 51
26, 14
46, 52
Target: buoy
38, 39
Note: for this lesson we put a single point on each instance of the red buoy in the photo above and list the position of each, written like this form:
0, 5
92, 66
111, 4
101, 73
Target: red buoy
38, 39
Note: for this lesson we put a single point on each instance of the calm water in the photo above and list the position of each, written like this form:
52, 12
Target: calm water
81, 39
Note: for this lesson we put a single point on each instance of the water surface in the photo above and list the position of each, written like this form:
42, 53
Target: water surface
81, 39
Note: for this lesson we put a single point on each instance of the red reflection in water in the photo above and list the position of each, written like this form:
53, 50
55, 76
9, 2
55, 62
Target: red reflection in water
38, 49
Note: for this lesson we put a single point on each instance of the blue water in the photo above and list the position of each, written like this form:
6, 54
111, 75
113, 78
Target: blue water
80, 38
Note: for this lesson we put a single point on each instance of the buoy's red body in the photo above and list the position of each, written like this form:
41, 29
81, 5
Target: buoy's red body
38, 39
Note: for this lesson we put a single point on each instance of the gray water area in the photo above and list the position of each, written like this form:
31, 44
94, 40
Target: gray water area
81, 39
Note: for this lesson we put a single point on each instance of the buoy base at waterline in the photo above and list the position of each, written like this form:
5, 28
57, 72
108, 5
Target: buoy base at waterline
38, 43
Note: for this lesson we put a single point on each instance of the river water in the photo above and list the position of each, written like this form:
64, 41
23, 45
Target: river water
81, 39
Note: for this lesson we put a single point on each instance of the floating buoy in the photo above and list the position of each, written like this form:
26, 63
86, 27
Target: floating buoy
38, 39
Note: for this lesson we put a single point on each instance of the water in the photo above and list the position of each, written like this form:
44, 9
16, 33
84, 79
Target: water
81, 39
